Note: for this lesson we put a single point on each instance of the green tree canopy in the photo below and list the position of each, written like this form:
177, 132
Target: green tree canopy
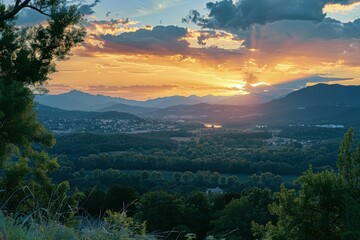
234, 221
27, 58
161, 211
327, 206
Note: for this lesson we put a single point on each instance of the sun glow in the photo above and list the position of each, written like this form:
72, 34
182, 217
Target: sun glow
240, 86
260, 84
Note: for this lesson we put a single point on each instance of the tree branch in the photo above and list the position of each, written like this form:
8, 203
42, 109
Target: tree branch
17, 8
38, 10
17, 3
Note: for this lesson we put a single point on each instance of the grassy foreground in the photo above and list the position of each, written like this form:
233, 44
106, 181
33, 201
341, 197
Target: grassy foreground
116, 226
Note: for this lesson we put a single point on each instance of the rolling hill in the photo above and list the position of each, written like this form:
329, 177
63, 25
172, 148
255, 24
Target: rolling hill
75, 100
119, 107
320, 94
319, 104
46, 113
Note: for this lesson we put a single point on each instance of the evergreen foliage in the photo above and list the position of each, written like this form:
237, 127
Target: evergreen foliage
327, 206
27, 58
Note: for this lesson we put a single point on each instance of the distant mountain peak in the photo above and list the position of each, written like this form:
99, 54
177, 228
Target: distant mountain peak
75, 91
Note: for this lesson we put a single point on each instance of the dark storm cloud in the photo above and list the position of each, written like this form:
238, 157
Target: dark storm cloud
282, 25
160, 40
229, 15
280, 35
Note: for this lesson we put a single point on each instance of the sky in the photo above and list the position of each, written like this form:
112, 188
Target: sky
143, 49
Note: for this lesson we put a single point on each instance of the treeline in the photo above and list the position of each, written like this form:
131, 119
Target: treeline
176, 182
215, 153
166, 161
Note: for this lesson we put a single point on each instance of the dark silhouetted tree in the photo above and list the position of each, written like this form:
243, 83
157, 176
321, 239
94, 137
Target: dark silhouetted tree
27, 58
119, 199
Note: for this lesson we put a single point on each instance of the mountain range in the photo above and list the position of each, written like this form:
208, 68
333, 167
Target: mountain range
51, 113
318, 104
77, 100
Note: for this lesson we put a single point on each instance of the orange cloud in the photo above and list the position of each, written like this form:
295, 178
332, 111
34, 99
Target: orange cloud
131, 88
335, 8
113, 26
211, 38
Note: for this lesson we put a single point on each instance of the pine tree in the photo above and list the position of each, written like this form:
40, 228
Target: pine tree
27, 58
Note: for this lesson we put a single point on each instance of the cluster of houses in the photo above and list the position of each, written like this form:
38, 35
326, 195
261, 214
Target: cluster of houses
106, 126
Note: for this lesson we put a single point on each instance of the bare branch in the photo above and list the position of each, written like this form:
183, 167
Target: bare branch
17, 8
17, 3
38, 10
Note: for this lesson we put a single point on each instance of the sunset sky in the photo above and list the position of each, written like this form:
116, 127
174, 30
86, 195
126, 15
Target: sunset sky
143, 49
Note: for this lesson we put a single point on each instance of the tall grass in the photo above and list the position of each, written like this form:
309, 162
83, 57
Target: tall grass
56, 219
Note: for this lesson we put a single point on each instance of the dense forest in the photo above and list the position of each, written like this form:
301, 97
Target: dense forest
118, 191
143, 172
240, 153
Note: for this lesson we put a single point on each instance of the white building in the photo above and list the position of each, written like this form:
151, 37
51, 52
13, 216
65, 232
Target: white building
214, 191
